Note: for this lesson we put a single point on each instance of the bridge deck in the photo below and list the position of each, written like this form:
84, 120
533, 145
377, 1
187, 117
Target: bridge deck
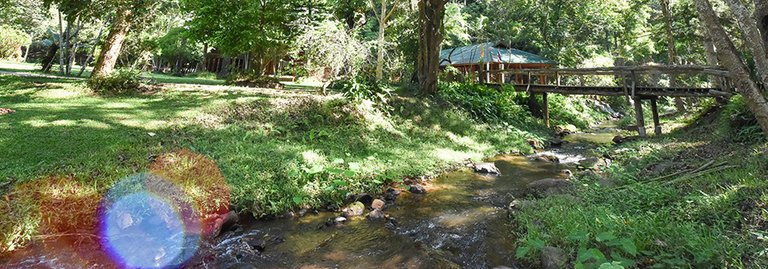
631, 81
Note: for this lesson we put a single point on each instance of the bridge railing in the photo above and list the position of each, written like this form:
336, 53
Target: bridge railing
637, 83
627, 77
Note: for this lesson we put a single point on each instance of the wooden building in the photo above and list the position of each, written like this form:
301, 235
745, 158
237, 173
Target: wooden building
475, 61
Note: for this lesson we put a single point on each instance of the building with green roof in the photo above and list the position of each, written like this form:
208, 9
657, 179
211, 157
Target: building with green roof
491, 56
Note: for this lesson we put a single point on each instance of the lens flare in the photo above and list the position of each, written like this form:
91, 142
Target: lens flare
147, 223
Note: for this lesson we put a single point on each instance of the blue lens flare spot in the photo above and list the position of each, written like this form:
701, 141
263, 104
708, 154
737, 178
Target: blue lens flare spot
145, 228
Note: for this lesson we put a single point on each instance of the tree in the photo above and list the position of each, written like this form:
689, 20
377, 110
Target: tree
671, 50
383, 16
111, 50
751, 87
431, 13
264, 30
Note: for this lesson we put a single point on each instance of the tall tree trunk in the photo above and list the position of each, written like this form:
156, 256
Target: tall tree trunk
761, 16
224, 71
74, 44
381, 40
749, 87
431, 13
383, 17
63, 42
114, 43
671, 51
711, 55
49, 57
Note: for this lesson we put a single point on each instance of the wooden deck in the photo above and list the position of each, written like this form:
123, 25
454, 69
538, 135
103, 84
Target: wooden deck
637, 83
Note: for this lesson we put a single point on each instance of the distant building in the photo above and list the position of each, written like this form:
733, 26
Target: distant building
472, 61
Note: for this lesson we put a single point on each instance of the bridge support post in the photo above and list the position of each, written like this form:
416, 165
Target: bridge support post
545, 108
655, 109
639, 117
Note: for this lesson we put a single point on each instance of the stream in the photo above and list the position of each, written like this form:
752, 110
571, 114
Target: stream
461, 222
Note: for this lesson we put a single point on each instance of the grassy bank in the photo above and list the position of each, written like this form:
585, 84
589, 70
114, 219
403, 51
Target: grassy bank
64, 147
696, 198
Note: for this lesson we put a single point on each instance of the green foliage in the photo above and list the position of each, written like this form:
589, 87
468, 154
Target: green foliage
363, 88
11, 41
119, 82
683, 221
487, 104
576, 110
264, 28
329, 45
456, 26
738, 124
175, 46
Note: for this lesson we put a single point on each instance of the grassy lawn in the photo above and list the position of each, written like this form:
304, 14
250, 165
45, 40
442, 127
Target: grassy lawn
31, 68
277, 150
693, 199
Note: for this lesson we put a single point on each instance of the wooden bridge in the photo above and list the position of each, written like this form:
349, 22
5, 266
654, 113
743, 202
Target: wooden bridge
637, 83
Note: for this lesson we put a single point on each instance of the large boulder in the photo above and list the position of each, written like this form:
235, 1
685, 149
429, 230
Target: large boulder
391, 195
354, 209
417, 189
547, 158
378, 204
550, 186
364, 198
375, 214
487, 168
535, 144
553, 258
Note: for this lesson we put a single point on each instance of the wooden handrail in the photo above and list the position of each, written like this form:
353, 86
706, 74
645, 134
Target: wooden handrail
666, 69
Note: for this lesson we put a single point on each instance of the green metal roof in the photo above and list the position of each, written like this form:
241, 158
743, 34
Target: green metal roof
489, 52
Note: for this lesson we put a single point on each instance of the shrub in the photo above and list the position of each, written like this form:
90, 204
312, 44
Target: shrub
119, 82
362, 88
738, 124
487, 104
11, 41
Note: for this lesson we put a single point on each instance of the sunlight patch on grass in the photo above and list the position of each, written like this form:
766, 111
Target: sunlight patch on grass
313, 158
58, 94
71, 123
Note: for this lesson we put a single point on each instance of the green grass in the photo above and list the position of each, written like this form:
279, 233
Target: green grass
277, 150
711, 220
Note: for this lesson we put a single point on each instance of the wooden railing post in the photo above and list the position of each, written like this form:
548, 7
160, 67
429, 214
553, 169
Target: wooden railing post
488, 72
502, 74
634, 83
655, 111
640, 117
545, 109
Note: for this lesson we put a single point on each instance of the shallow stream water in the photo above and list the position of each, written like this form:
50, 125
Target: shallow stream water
461, 222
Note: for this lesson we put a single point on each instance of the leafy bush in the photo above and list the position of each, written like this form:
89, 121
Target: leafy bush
738, 124
11, 41
119, 82
577, 110
487, 104
361, 88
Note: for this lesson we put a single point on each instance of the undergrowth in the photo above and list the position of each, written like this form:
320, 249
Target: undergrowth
277, 151
694, 199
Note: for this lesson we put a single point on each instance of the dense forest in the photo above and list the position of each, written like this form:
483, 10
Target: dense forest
383, 133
